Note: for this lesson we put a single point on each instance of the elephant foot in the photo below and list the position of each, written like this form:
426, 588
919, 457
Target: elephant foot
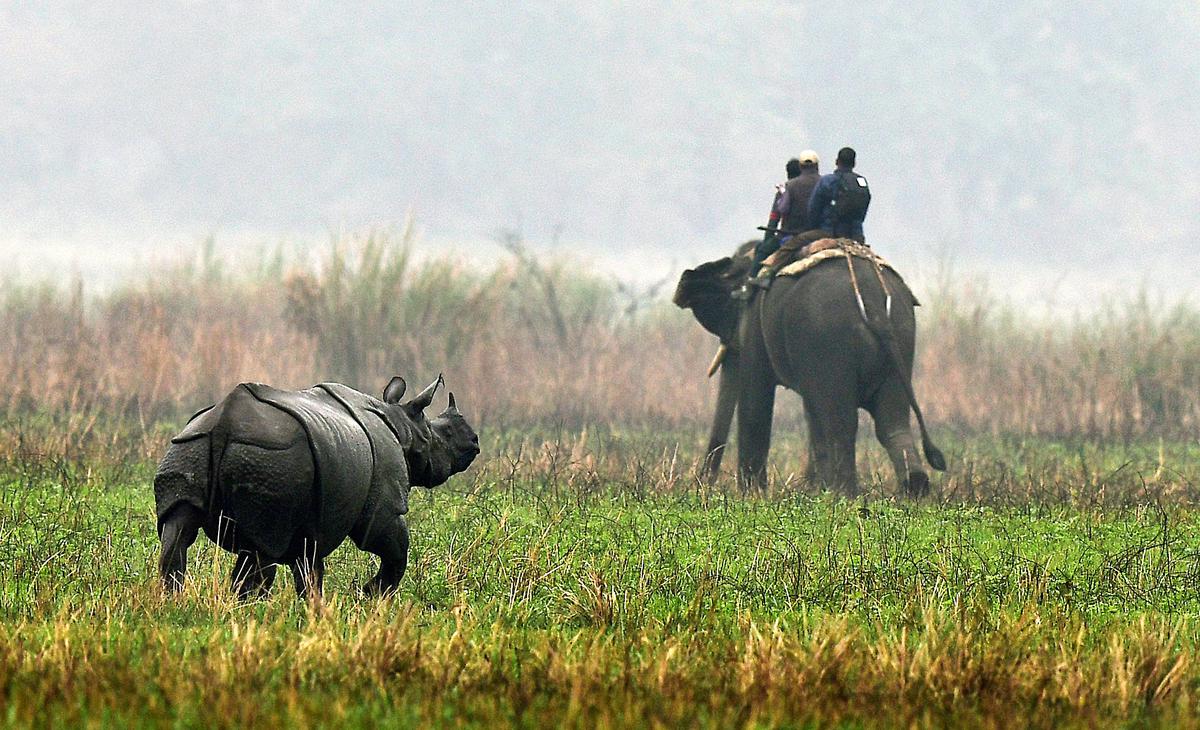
917, 484
710, 470
753, 483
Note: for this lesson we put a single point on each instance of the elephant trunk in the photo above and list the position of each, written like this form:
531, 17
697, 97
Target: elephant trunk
727, 397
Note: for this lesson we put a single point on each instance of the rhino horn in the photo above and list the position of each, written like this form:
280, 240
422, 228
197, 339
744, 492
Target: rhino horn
394, 390
453, 406
425, 397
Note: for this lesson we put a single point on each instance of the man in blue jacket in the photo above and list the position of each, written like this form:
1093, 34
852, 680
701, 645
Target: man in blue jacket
839, 201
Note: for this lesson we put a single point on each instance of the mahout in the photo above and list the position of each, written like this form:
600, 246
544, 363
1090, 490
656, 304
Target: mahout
281, 477
810, 334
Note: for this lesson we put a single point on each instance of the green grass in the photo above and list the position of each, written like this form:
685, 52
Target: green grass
590, 580
580, 574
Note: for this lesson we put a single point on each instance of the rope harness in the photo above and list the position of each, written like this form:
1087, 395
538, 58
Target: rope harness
845, 248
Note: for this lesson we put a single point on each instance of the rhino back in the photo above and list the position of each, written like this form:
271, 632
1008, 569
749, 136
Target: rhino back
361, 404
342, 460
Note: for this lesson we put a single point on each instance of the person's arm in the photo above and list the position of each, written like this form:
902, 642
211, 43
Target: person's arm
776, 213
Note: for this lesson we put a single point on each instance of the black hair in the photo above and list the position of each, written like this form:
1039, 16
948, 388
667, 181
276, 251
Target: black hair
793, 168
847, 157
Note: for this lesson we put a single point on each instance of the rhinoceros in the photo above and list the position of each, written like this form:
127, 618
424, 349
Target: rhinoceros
284, 477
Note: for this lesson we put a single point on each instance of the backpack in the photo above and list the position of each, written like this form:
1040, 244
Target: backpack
852, 199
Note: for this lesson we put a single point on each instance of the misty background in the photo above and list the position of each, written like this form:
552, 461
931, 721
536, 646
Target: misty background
1045, 143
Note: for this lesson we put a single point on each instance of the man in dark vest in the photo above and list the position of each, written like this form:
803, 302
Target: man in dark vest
790, 209
839, 201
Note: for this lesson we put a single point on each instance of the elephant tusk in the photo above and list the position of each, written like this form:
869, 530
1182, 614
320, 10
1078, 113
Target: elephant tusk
717, 360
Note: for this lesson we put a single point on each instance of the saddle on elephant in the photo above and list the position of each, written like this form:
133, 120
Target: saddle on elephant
804, 251
793, 248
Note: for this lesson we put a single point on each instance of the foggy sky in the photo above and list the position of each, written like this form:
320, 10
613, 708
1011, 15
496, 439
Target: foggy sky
1035, 136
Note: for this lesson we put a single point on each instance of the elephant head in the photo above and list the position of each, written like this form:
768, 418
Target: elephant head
440, 447
708, 290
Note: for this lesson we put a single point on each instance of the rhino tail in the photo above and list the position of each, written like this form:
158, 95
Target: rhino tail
225, 428
191, 470
185, 475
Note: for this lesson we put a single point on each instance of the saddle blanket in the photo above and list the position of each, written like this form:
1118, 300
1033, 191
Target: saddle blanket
829, 248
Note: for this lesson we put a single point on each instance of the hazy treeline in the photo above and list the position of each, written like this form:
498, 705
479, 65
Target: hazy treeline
962, 113
531, 342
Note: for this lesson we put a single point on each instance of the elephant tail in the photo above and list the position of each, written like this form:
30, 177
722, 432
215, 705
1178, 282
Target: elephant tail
891, 351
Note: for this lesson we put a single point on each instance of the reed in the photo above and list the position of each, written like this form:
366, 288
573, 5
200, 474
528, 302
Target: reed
534, 343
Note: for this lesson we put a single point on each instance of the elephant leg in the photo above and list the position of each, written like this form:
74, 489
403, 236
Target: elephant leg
814, 435
308, 575
390, 543
251, 577
833, 443
755, 410
894, 431
727, 396
177, 533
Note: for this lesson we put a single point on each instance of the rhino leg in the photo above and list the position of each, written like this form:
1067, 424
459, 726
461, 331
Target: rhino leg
177, 533
251, 578
308, 573
390, 543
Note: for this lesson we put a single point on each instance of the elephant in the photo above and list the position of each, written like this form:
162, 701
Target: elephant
284, 477
809, 333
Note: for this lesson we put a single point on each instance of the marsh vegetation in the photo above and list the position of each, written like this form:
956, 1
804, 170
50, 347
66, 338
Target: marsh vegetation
579, 573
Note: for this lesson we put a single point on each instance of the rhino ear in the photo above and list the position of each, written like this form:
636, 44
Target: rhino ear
453, 405
425, 397
394, 390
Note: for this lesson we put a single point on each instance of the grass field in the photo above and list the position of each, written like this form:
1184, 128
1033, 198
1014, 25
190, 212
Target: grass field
583, 580
578, 574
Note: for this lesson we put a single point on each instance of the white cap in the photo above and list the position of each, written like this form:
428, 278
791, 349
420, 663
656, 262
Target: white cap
809, 157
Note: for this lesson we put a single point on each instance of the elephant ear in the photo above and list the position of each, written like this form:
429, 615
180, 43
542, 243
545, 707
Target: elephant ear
707, 290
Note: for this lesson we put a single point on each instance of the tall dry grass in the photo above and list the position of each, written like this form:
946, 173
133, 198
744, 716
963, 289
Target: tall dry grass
1128, 371
951, 669
532, 342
